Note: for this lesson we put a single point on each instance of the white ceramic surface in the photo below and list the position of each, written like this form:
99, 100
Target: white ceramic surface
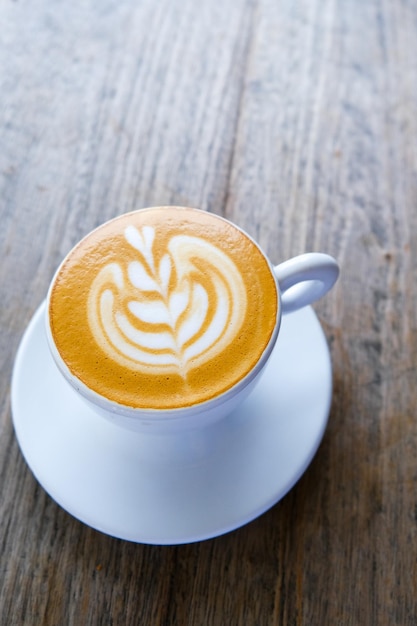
176, 488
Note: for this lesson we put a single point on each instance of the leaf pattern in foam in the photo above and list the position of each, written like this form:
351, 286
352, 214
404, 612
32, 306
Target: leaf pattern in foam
178, 301
196, 314
142, 241
165, 273
140, 278
153, 312
155, 321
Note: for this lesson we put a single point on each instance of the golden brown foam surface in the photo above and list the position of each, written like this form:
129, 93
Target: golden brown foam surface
163, 307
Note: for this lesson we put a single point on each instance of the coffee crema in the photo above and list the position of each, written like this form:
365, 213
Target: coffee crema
163, 308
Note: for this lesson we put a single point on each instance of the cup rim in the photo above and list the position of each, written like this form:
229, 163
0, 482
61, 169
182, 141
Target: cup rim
162, 414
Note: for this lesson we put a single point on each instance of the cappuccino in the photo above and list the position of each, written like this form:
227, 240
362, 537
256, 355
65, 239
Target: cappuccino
163, 308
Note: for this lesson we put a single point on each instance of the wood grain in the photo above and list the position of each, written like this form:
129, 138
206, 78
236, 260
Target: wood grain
299, 122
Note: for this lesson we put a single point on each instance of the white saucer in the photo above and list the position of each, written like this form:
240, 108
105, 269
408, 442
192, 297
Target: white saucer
176, 488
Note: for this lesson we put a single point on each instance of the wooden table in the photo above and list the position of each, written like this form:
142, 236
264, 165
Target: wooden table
297, 120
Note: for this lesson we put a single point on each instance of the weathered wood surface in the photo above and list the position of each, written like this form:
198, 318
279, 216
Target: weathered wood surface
298, 120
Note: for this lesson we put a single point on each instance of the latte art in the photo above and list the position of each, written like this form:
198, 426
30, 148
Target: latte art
170, 315
162, 308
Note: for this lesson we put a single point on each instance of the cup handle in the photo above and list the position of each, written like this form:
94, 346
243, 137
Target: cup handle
304, 279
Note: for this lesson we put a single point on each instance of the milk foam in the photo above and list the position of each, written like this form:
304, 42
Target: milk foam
167, 311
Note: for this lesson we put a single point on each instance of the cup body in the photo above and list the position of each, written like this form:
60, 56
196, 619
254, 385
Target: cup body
298, 282
166, 421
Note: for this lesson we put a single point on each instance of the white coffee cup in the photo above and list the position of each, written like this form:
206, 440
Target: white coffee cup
300, 281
